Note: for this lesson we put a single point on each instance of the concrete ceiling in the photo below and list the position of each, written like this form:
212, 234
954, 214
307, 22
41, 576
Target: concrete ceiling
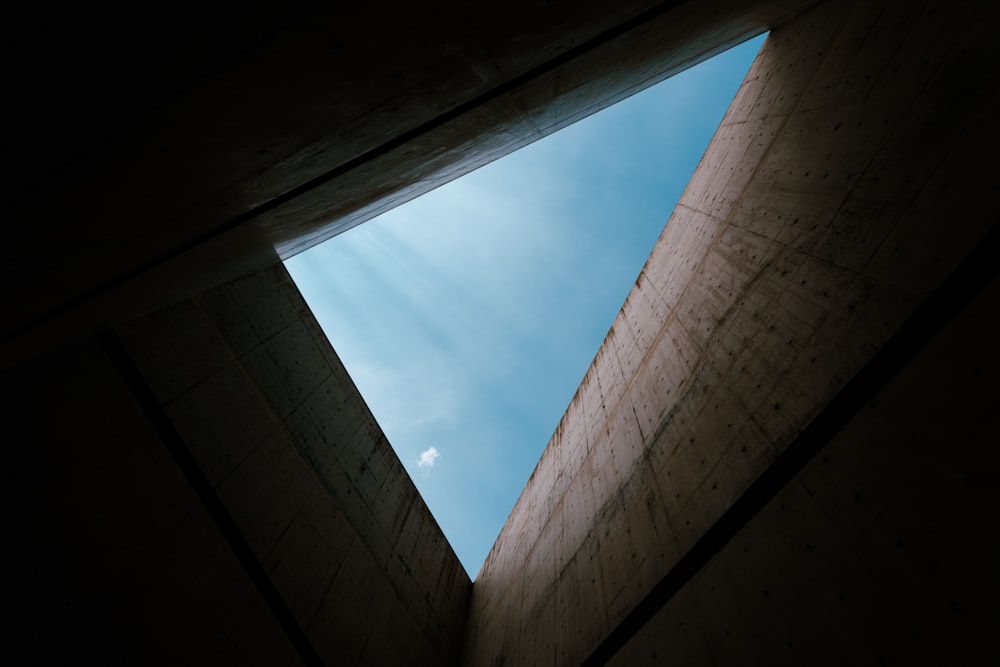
164, 150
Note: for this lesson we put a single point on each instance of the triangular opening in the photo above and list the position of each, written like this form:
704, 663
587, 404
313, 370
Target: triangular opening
467, 317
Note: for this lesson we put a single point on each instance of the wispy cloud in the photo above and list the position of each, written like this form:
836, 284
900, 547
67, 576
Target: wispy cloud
427, 458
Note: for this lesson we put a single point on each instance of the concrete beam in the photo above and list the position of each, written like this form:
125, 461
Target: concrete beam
289, 134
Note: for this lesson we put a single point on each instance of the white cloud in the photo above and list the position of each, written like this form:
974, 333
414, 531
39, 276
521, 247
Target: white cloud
427, 458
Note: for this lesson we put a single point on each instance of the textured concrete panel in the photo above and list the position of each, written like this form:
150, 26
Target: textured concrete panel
765, 294
305, 471
175, 174
112, 559
877, 553
114, 524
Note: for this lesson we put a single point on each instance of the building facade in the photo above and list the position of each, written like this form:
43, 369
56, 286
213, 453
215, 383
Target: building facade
781, 454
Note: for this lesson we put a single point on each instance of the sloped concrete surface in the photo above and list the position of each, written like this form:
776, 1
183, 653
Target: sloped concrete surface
794, 253
255, 393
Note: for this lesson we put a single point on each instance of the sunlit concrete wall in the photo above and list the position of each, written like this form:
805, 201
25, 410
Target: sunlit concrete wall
882, 550
848, 178
111, 527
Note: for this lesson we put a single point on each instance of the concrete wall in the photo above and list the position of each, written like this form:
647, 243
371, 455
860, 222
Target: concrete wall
882, 550
853, 173
845, 182
205, 142
251, 388
110, 558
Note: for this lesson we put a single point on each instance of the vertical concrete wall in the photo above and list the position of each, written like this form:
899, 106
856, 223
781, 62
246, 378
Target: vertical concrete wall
811, 230
109, 556
256, 394
882, 551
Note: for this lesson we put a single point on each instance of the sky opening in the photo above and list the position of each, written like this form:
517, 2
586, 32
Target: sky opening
468, 316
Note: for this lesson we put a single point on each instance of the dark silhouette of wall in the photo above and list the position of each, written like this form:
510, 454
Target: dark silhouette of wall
209, 487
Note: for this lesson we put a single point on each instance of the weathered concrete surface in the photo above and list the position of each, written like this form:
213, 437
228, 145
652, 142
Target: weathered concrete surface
802, 242
852, 173
258, 396
109, 557
878, 552
197, 145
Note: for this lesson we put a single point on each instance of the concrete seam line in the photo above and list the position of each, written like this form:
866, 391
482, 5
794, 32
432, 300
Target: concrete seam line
951, 296
216, 509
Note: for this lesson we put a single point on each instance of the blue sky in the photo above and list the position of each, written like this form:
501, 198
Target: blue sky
468, 317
